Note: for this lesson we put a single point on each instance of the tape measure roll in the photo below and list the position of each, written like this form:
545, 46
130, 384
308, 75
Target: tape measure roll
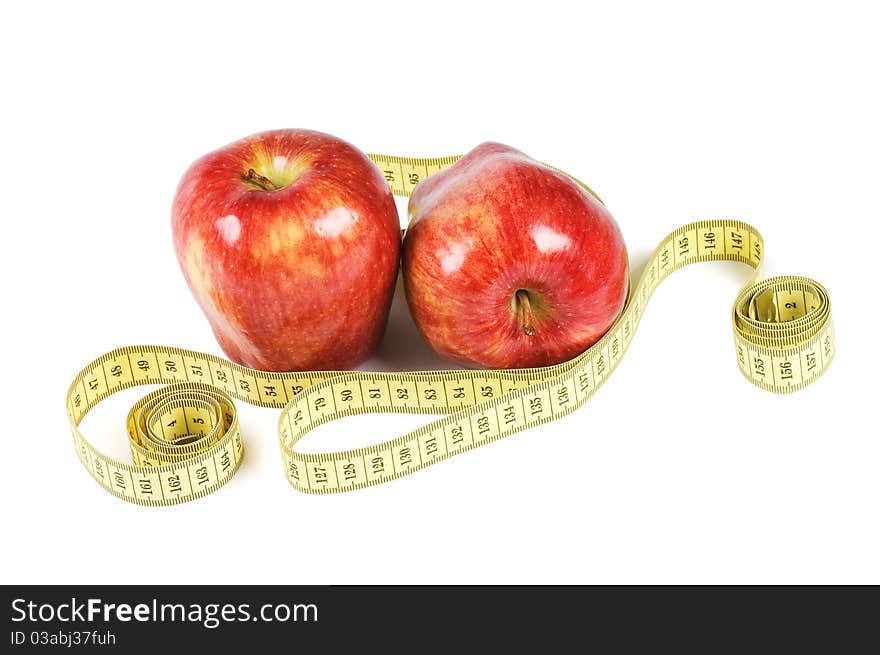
186, 442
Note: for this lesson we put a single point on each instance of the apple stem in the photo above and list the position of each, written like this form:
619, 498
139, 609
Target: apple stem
524, 311
261, 181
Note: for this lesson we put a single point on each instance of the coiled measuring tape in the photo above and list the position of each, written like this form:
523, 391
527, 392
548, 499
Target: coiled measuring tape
186, 441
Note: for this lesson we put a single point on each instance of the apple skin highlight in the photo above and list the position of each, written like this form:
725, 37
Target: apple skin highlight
509, 264
290, 241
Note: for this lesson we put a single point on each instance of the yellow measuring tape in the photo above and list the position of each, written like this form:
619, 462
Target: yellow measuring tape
186, 442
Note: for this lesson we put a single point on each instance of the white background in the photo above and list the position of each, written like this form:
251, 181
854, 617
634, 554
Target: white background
672, 112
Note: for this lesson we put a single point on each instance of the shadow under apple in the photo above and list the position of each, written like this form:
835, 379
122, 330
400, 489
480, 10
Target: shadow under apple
402, 347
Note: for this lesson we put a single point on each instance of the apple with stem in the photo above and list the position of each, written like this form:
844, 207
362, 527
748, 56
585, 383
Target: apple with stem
510, 264
289, 241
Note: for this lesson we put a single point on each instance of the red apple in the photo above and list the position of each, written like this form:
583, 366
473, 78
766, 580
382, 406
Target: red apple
509, 264
289, 241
